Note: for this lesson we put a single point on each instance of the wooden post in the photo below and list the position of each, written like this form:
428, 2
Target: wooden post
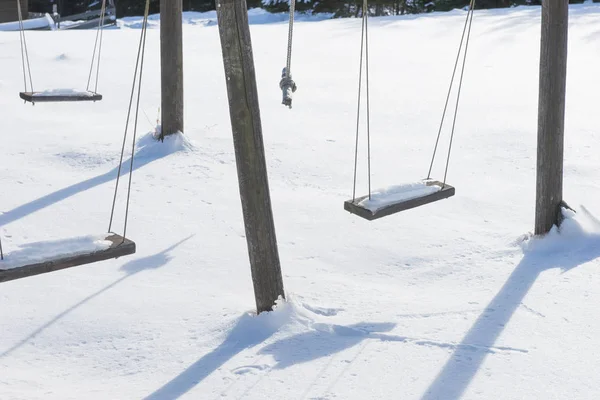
171, 63
551, 114
232, 16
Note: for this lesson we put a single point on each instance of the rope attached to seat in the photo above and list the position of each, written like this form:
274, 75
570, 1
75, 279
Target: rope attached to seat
97, 44
364, 49
467, 31
140, 64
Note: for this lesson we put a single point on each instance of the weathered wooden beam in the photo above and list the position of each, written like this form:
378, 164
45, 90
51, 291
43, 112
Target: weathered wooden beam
551, 114
232, 16
171, 66
54, 98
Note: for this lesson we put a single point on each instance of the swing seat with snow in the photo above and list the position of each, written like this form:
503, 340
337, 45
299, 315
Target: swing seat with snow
398, 198
61, 95
394, 199
81, 251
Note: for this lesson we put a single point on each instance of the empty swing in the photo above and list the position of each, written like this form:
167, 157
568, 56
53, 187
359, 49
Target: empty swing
61, 95
44, 257
391, 200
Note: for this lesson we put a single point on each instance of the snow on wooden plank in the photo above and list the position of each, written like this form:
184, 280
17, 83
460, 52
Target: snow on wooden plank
42, 257
387, 201
60, 95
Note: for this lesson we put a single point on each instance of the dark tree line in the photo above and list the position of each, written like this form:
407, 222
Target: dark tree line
339, 8
348, 8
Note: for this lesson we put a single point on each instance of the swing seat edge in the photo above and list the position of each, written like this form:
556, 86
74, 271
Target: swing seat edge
354, 206
119, 247
37, 97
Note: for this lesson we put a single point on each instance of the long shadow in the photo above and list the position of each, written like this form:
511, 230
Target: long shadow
322, 340
131, 268
146, 153
325, 340
248, 332
461, 368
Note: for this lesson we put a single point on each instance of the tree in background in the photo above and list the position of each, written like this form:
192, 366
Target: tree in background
337, 8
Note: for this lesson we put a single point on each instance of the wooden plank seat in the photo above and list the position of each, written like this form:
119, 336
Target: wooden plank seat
398, 198
43, 257
60, 95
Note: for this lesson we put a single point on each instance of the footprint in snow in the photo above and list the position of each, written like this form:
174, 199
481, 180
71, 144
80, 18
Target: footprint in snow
327, 312
245, 369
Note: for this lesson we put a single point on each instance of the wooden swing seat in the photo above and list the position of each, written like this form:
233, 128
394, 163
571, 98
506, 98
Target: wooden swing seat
54, 96
119, 247
379, 206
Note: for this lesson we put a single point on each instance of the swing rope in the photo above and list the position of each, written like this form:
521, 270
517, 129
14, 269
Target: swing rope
140, 64
467, 30
364, 50
287, 84
24, 52
99, 35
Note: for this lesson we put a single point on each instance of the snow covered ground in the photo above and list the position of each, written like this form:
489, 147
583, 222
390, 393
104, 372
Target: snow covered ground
451, 300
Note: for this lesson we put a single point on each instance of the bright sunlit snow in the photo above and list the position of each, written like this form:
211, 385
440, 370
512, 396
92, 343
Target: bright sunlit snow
450, 300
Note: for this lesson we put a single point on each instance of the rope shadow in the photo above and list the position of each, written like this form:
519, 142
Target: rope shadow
144, 156
131, 268
463, 365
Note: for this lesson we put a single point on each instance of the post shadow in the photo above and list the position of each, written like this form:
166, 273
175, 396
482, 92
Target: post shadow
145, 155
322, 340
461, 368
247, 332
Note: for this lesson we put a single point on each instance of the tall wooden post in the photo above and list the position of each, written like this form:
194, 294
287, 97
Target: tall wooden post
232, 16
551, 114
171, 66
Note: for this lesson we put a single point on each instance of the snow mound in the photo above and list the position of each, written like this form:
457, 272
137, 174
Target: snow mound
149, 145
576, 242
577, 232
289, 316
253, 329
